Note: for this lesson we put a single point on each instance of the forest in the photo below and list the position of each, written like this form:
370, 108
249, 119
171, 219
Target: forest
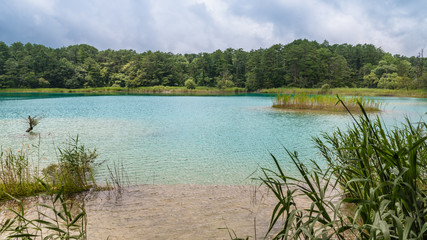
302, 63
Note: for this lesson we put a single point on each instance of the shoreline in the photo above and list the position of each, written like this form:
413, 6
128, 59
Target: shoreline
207, 91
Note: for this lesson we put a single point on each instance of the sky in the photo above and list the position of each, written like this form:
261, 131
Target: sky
194, 26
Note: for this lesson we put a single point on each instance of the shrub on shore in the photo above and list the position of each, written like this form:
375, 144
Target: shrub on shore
190, 84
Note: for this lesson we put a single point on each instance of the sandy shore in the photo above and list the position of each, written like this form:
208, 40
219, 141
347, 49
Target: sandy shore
179, 212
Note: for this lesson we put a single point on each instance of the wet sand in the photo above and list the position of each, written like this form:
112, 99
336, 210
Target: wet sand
179, 212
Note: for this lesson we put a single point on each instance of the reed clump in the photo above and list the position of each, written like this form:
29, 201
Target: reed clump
58, 213
301, 101
73, 171
381, 177
17, 175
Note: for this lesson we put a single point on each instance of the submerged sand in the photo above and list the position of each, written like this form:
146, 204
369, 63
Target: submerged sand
180, 212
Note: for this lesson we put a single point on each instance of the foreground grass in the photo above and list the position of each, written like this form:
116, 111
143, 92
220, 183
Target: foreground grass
381, 174
323, 102
419, 93
58, 218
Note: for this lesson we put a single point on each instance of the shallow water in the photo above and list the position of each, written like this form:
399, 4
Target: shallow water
176, 139
170, 212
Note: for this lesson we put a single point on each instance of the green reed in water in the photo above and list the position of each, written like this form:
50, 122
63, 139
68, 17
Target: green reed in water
73, 171
323, 102
380, 176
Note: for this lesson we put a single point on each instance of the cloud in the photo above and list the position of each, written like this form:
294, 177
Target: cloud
183, 26
201, 25
391, 25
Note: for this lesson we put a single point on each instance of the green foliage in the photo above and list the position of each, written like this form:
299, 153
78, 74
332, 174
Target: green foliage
380, 173
190, 84
225, 84
301, 63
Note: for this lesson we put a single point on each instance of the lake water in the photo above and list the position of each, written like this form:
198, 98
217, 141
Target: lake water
177, 139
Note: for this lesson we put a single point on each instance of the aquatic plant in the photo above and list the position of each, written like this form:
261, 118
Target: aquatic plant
74, 168
323, 102
17, 175
73, 171
59, 218
380, 175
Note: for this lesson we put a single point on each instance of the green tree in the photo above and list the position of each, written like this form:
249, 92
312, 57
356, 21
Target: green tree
370, 80
389, 80
253, 74
93, 76
339, 72
4, 56
273, 66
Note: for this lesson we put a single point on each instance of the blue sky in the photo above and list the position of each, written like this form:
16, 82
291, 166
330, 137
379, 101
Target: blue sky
192, 26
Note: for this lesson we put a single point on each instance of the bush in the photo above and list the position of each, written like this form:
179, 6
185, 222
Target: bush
190, 84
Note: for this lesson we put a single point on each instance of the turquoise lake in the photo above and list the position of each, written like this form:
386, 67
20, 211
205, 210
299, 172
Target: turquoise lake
177, 139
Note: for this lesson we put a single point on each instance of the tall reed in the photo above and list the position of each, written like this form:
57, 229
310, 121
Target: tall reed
17, 175
380, 173
323, 102
73, 171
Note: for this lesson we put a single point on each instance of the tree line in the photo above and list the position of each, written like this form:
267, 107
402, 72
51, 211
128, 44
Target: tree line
302, 63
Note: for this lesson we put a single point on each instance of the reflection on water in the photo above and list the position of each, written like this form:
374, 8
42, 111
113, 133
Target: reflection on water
177, 139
